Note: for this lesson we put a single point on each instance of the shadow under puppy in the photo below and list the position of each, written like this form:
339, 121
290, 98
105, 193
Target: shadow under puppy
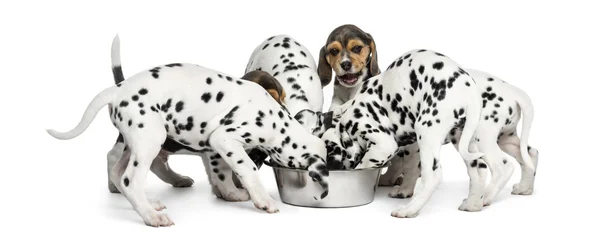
419, 100
224, 184
223, 117
351, 53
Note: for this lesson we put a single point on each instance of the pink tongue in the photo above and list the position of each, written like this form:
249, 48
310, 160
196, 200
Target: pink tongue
350, 80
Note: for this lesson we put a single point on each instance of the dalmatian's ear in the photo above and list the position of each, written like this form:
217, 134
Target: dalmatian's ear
373, 63
324, 69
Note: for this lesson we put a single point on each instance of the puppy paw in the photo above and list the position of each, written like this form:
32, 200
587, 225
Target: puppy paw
158, 220
519, 189
404, 212
471, 205
239, 195
156, 204
183, 182
112, 188
267, 205
387, 181
487, 202
401, 192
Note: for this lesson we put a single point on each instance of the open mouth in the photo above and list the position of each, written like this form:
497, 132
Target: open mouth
350, 78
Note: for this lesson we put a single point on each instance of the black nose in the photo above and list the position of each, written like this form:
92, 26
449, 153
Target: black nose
346, 65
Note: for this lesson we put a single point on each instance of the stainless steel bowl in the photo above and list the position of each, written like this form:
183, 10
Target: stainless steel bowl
347, 188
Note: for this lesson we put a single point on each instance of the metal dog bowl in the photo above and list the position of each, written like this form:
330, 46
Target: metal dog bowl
347, 188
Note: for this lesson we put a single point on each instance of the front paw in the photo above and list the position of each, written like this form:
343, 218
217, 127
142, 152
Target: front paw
267, 205
471, 205
519, 189
238, 195
158, 220
112, 188
401, 192
404, 212
390, 180
183, 182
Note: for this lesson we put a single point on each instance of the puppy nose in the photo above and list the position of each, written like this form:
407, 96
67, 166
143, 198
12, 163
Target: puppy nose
346, 65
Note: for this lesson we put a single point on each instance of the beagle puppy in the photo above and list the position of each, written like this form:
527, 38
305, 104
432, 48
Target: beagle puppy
351, 54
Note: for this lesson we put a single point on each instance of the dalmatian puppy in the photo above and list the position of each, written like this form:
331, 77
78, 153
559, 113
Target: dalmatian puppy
221, 115
503, 104
408, 158
294, 67
351, 53
224, 184
419, 99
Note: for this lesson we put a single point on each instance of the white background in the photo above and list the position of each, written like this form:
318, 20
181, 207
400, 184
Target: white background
56, 57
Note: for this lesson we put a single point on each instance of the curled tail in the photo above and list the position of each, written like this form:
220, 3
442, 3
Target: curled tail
101, 99
527, 109
115, 56
472, 117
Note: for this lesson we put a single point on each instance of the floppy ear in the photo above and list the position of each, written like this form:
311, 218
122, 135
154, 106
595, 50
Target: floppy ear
324, 69
373, 64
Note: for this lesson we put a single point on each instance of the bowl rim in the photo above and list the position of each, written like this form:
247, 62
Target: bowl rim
386, 165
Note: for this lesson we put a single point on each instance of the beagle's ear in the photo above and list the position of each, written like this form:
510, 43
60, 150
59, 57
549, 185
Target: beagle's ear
275, 94
324, 69
373, 64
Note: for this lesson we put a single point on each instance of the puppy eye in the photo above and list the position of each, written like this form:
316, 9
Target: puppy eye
357, 49
333, 52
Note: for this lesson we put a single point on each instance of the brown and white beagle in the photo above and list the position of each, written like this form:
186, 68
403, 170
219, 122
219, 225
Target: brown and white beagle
351, 54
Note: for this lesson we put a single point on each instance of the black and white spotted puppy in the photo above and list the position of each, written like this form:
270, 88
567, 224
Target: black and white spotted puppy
419, 100
503, 105
221, 114
224, 184
294, 67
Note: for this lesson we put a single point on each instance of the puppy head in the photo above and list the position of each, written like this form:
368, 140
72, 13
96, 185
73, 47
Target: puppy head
351, 54
268, 82
315, 122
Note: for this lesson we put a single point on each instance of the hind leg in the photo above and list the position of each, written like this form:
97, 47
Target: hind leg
160, 167
410, 171
117, 171
112, 158
511, 145
493, 157
232, 152
429, 142
145, 144
221, 179
477, 171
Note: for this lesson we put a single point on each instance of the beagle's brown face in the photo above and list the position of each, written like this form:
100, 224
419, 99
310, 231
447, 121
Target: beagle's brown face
269, 83
351, 54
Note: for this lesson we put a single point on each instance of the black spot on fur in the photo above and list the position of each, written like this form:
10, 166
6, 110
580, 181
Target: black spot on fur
438, 65
179, 106
206, 97
126, 181
220, 96
143, 91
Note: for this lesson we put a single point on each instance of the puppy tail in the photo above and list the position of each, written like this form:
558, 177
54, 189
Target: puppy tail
101, 99
527, 109
472, 116
115, 56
